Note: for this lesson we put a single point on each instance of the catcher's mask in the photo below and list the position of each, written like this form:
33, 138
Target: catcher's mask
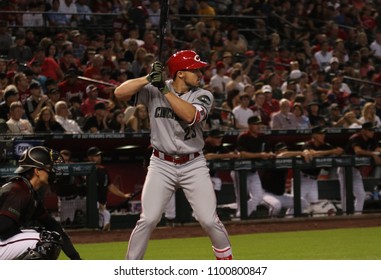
42, 158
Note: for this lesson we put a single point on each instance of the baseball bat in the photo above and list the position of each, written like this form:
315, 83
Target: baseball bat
164, 10
124, 204
95, 81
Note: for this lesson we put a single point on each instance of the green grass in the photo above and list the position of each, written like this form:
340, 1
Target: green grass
337, 244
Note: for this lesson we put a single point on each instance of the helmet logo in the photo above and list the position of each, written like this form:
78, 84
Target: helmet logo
197, 58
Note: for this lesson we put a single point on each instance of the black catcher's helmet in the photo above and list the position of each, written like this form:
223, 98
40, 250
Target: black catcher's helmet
38, 157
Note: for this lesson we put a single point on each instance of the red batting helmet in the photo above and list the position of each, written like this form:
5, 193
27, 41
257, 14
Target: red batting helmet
184, 60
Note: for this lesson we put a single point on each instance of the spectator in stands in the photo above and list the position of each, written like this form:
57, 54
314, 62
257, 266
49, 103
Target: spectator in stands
130, 49
336, 94
3, 84
275, 195
93, 71
85, 14
62, 116
251, 145
218, 83
316, 147
103, 186
303, 121
271, 105
35, 68
10, 95
368, 114
237, 81
69, 9
87, 106
150, 45
334, 115
49, 67
78, 48
116, 122
242, 112
138, 63
22, 84
257, 108
314, 114
323, 56
35, 17
375, 46
53, 97
284, 119
139, 121
362, 143
349, 120
377, 103
45, 122
354, 99
153, 12
71, 86
68, 61
18, 51
17, 125
235, 42
5, 38
34, 103
208, 14
75, 112
55, 18
98, 121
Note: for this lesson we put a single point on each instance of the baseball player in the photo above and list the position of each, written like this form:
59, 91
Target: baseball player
251, 145
177, 109
21, 204
361, 143
214, 149
317, 147
104, 185
274, 183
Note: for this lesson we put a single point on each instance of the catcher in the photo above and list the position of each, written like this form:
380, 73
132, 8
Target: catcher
21, 206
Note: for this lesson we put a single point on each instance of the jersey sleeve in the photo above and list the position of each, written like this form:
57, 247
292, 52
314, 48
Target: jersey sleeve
203, 104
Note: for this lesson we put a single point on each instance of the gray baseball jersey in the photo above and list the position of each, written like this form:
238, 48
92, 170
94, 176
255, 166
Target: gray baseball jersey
171, 135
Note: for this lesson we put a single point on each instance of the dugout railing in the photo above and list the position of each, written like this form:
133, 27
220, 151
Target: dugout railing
296, 164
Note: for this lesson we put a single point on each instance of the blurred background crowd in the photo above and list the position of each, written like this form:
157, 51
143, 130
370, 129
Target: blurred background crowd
296, 64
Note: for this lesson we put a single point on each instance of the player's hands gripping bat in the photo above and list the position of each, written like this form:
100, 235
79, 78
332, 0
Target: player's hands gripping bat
155, 77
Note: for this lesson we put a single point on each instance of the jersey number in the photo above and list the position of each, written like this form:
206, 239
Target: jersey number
190, 132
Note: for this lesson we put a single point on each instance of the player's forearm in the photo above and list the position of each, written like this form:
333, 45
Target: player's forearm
129, 88
183, 109
114, 189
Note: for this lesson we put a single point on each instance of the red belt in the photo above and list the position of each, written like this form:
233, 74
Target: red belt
179, 159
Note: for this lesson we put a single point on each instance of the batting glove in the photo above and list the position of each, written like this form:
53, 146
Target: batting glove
163, 88
155, 77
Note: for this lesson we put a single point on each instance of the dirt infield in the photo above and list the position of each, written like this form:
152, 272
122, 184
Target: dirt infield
233, 228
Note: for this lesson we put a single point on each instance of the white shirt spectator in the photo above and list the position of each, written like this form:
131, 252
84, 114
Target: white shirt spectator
70, 126
69, 10
62, 117
21, 126
284, 119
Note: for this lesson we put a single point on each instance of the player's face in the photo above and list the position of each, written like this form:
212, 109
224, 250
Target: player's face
192, 78
96, 159
319, 138
43, 177
255, 128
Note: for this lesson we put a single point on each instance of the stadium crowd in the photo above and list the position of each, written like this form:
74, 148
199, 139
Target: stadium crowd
296, 64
